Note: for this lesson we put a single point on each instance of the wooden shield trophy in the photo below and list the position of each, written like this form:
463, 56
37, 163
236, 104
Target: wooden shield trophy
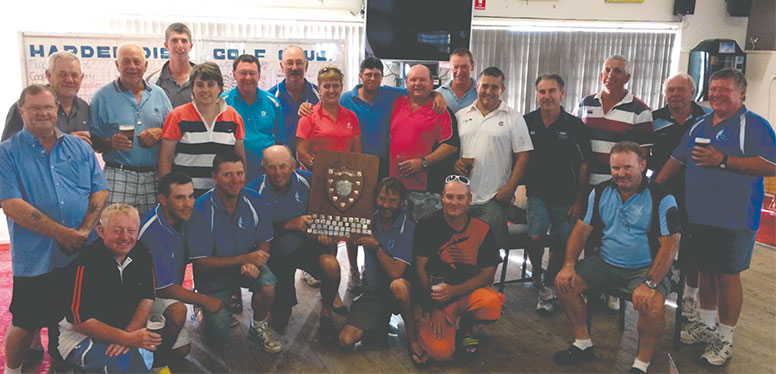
342, 194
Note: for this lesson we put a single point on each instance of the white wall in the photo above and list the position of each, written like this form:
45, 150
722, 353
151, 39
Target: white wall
761, 79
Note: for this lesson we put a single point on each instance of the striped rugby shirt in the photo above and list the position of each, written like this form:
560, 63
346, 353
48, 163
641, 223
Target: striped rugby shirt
198, 144
630, 119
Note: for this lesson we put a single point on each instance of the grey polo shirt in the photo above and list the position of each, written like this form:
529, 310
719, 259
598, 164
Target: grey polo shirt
178, 94
77, 120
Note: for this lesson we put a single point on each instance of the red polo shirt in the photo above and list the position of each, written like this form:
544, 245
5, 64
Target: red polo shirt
413, 135
327, 134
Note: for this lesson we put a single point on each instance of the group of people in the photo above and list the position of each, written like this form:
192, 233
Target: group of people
222, 180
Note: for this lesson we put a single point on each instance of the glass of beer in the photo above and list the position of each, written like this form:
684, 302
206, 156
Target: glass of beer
129, 132
155, 323
702, 142
435, 280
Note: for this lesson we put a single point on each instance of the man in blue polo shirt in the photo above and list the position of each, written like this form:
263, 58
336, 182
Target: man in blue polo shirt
286, 191
130, 164
164, 232
731, 150
461, 91
230, 242
641, 231
52, 191
387, 254
260, 111
294, 90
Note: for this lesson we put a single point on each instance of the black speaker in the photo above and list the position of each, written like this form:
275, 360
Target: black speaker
739, 8
682, 7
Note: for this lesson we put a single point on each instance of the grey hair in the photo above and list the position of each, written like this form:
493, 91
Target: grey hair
622, 58
687, 78
61, 55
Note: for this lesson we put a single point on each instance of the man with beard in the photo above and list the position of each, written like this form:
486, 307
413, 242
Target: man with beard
641, 231
64, 76
232, 232
173, 77
293, 91
387, 254
164, 232
730, 150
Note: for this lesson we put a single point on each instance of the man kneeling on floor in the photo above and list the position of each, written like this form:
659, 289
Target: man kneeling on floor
387, 254
234, 229
113, 291
640, 224
456, 261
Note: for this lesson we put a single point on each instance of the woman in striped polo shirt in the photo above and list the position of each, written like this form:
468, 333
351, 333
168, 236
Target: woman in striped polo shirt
196, 132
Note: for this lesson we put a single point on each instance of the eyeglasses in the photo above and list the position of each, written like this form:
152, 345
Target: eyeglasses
457, 178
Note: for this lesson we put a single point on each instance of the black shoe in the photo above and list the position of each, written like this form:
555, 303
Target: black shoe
327, 330
635, 370
573, 355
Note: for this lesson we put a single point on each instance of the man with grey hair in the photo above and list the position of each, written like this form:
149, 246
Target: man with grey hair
173, 77
731, 150
64, 76
52, 191
139, 109
612, 115
670, 124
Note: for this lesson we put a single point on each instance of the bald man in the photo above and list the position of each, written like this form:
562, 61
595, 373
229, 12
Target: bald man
294, 90
420, 140
131, 102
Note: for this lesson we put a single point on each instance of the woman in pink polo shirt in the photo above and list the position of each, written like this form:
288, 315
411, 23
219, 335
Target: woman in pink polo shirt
330, 126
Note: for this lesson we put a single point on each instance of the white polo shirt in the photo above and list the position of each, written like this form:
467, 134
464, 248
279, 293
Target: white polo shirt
491, 140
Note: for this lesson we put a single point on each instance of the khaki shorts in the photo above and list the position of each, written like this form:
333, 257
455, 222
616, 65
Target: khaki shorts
160, 305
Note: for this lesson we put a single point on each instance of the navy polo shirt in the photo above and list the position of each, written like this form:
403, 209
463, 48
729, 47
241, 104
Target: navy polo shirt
285, 207
291, 107
167, 245
397, 244
627, 224
559, 150
221, 234
374, 119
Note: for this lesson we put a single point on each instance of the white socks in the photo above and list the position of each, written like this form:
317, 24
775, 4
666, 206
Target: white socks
690, 292
13, 371
725, 332
641, 365
583, 343
707, 317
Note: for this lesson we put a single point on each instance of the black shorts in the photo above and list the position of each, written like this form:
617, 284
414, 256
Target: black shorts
722, 251
39, 301
284, 267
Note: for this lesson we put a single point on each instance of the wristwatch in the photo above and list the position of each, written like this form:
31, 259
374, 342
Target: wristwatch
723, 164
650, 283
424, 163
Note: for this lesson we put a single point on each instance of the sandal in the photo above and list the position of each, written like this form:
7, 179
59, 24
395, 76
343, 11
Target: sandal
470, 345
421, 361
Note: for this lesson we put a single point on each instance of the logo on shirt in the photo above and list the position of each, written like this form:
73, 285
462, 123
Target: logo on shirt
562, 135
349, 126
241, 223
263, 113
722, 136
391, 244
467, 120
501, 123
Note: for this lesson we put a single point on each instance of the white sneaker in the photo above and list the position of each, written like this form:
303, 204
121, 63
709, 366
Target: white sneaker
613, 303
545, 303
717, 352
311, 281
263, 335
689, 309
697, 332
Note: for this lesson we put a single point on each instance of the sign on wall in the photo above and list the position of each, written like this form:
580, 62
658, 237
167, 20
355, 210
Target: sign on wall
98, 55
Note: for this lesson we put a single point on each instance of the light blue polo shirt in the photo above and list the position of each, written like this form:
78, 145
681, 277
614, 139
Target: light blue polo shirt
374, 119
625, 242
113, 105
167, 245
291, 108
285, 207
724, 198
396, 242
453, 102
263, 121
58, 183
221, 234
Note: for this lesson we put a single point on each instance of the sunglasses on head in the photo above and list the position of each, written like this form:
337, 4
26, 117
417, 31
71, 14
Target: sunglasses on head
457, 178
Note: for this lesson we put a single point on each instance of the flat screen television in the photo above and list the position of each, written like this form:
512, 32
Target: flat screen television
417, 30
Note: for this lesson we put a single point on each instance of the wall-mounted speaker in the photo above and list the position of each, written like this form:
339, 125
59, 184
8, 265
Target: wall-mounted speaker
739, 8
682, 7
